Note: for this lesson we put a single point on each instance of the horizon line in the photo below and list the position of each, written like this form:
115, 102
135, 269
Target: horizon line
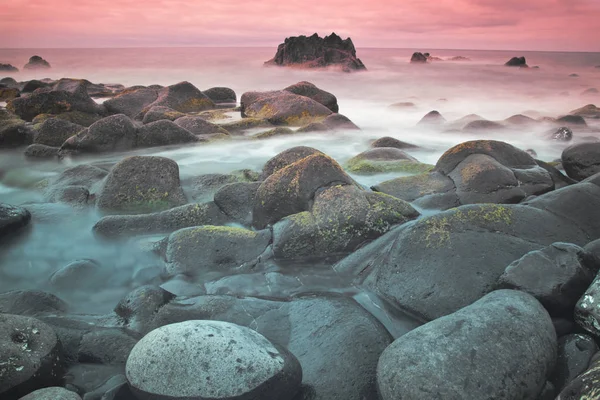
262, 47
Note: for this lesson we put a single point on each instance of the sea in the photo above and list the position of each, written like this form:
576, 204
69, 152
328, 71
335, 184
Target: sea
482, 86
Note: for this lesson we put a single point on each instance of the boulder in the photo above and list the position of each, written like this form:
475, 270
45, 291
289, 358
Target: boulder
432, 118
86, 176
411, 188
309, 90
291, 189
164, 133
79, 273
282, 108
200, 127
8, 68
483, 125
139, 185
575, 351
387, 141
316, 52
556, 276
131, 102
31, 356
419, 58
197, 250
221, 95
236, 200
76, 117
588, 111
164, 222
34, 84
313, 127
114, 133
562, 134
12, 219
517, 62
52, 393
572, 120
31, 303
183, 97
37, 62
139, 306
203, 187
581, 160
275, 132
585, 385
7, 94
385, 159
14, 132
41, 151
49, 101
157, 113
230, 361
285, 158
339, 122
55, 131
502, 346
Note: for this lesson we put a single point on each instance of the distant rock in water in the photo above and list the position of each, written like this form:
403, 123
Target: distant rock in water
588, 111
316, 52
419, 57
37, 62
590, 91
8, 68
563, 134
517, 62
459, 58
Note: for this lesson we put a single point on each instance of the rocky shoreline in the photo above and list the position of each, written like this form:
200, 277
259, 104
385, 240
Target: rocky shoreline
483, 267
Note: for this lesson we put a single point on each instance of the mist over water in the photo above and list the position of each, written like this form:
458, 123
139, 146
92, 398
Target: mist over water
482, 86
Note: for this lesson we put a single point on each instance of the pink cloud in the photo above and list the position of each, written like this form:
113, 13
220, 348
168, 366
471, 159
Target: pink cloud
507, 24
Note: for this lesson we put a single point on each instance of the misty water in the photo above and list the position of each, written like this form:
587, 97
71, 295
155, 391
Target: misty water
60, 234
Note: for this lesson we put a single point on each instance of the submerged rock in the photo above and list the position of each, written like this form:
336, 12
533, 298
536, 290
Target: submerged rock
200, 127
52, 393
15, 132
575, 351
419, 58
385, 159
316, 52
229, 360
474, 353
387, 141
41, 151
8, 68
37, 62
12, 219
114, 133
183, 97
517, 62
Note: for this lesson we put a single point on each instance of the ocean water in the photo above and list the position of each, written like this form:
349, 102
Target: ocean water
481, 86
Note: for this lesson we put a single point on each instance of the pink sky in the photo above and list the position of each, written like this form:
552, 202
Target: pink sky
571, 25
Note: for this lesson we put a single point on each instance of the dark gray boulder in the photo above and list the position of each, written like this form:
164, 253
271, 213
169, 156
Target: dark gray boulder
114, 133
138, 185
572, 120
31, 356
236, 200
221, 95
14, 132
12, 219
502, 347
8, 68
231, 361
516, 62
164, 133
387, 141
131, 101
575, 351
183, 97
419, 58
339, 122
31, 303
139, 306
55, 131
200, 127
157, 113
319, 95
79, 273
562, 134
581, 160
432, 118
37, 62
40, 151
285, 158
282, 107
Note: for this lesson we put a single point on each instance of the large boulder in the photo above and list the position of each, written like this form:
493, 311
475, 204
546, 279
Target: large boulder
429, 268
82, 176
237, 199
419, 58
55, 131
200, 127
31, 356
183, 97
31, 303
8, 68
291, 189
501, 347
587, 111
221, 95
211, 360
282, 108
14, 132
138, 185
12, 218
385, 159
50, 101
131, 102
516, 62
316, 52
114, 133
581, 160
319, 95
37, 62
164, 133
388, 141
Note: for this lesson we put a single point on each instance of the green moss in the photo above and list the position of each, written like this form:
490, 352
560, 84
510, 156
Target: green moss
366, 167
279, 131
195, 104
76, 117
228, 231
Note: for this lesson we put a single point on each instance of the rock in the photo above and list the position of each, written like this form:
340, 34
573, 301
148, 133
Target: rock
183, 97
141, 184
31, 356
419, 58
575, 351
86, 176
41, 151
106, 346
114, 133
309, 90
590, 91
532, 153
231, 361
585, 385
432, 118
31, 303
55, 131
49, 101
482, 125
221, 95
581, 160
37, 62
33, 85
385, 159
341, 219
275, 132
285, 158
556, 276
203, 187
77, 274
122, 226
559, 179
411, 188
520, 120
517, 62
316, 52
7, 94
586, 312
573, 120
12, 219
339, 122
15, 132
164, 133
282, 108
320, 329
157, 113
198, 126
459, 58
52, 393
562, 134
8, 68
290, 190
196, 250
588, 111
236, 200
387, 141
131, 102
141, 305
76, 117
403, 104
475, 353
574, 75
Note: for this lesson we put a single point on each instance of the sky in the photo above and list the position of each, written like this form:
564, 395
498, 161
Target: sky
545, 25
